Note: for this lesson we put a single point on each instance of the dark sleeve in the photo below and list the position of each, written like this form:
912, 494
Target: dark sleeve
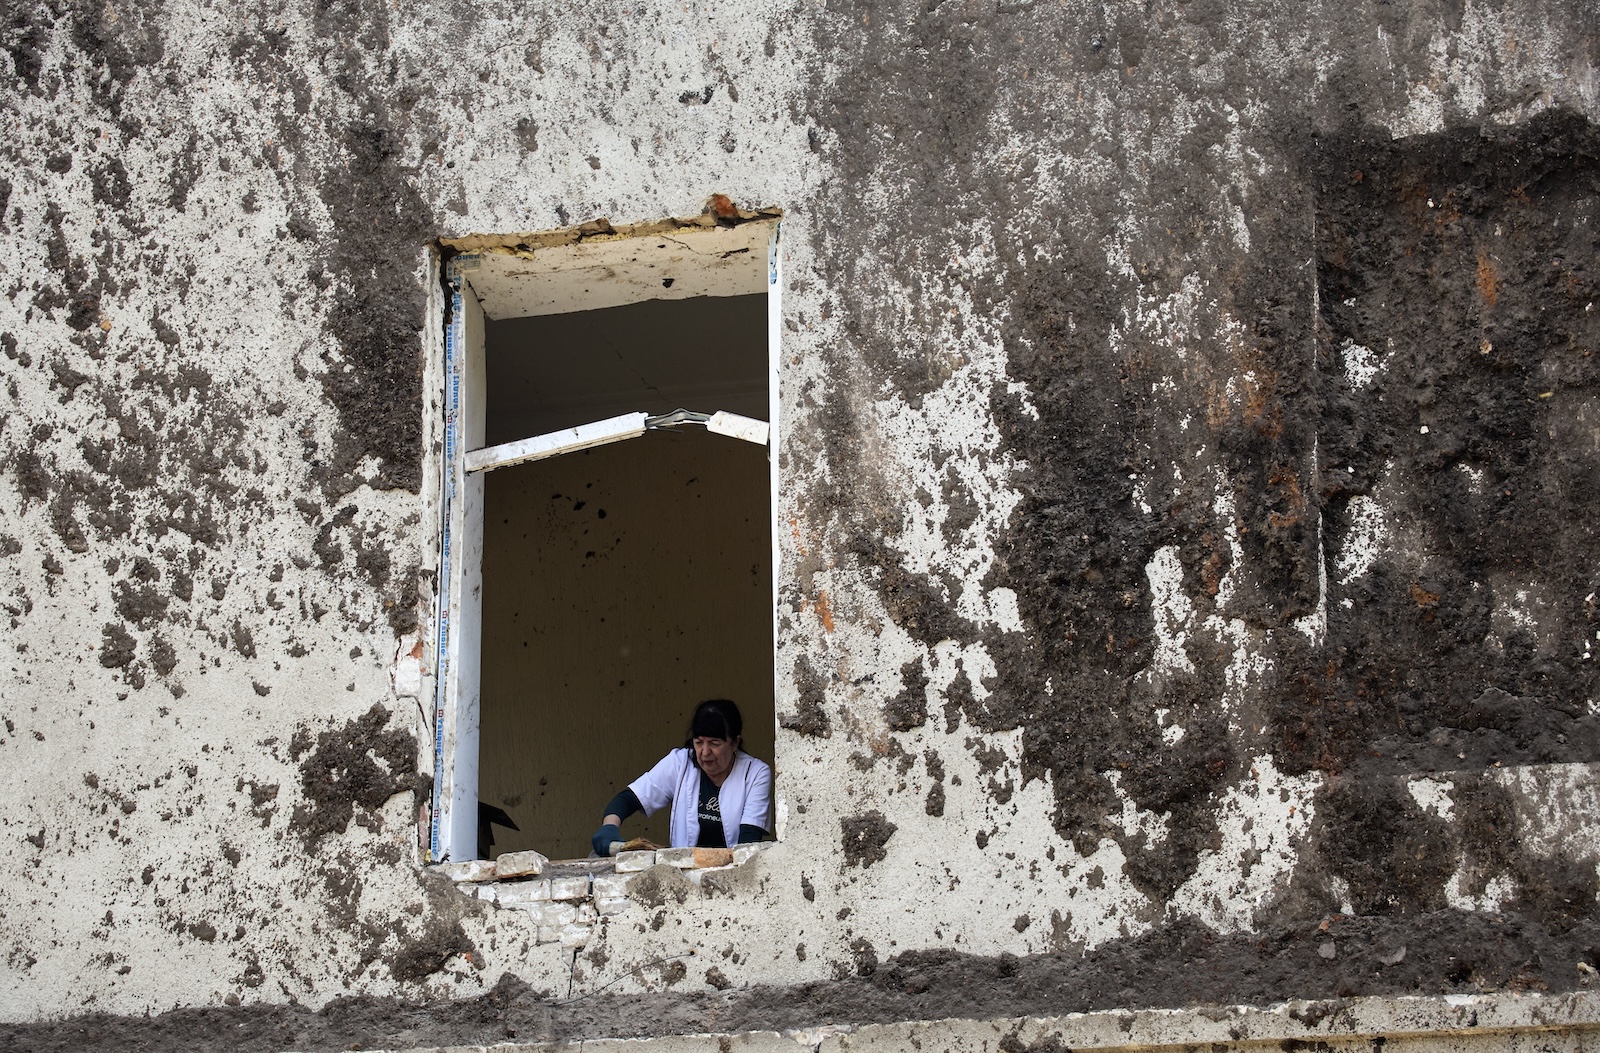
750, 834
624, 804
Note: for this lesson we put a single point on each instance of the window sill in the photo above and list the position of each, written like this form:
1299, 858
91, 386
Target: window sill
566, 897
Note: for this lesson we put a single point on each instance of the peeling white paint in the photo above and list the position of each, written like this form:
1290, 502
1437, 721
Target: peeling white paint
1314, 626
1497, 892
1171, 611
1223, 509
954, 418
1556, 807
1432, 795
1341, 894
1137, 822
1365, 538
1361, 364
1263, 819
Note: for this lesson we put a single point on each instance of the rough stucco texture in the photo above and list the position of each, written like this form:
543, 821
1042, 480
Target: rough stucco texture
1191, 433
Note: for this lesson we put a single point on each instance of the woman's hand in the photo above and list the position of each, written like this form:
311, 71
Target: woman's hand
604, 838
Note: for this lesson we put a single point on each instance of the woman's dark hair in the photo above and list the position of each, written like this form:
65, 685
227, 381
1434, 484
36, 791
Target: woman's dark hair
715, 718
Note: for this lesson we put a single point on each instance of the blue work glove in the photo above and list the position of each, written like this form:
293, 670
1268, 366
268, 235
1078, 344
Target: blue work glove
604, 838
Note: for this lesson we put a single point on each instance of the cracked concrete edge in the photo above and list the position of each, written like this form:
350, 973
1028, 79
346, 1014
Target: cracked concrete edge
598, 230
1422, 1024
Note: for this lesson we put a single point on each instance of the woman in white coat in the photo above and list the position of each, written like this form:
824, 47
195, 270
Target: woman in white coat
719, 794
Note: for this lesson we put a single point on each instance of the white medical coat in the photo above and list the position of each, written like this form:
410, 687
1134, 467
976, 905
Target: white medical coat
745, 795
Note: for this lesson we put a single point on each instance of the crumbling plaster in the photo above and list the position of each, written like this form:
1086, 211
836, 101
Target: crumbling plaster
1105, 540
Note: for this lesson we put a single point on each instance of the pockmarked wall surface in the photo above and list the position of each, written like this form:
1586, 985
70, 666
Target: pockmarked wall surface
1188, 465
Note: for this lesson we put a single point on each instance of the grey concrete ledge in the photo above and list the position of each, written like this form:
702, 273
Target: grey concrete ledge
1518, 1022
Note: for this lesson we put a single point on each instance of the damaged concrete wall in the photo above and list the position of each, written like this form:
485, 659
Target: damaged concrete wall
1188, 553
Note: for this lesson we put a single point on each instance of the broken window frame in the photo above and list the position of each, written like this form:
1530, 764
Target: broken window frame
452, 820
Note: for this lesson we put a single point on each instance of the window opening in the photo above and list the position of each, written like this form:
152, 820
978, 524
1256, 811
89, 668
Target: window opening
608, 523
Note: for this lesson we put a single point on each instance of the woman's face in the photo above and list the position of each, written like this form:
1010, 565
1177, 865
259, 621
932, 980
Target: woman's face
715, 756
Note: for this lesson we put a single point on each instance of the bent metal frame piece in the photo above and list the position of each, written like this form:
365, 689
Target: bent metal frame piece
612, 429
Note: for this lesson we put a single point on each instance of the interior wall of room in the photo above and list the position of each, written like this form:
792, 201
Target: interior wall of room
554, 371
622, 585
